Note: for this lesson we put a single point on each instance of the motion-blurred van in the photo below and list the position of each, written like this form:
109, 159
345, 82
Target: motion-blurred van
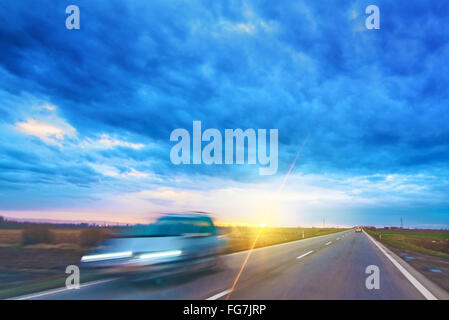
174, 243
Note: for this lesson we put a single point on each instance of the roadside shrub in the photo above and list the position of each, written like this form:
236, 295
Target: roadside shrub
37, 234
90, 237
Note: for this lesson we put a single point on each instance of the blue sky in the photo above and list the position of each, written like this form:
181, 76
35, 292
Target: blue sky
86, 115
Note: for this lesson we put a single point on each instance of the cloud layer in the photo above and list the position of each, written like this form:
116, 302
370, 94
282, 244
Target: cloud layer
86, 115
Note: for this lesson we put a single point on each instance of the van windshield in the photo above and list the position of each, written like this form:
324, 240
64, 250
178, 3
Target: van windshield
173, 226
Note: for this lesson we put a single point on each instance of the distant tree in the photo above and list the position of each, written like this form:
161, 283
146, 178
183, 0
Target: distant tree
37, 234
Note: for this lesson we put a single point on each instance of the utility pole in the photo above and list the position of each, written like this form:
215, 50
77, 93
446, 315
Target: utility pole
402, 224
324, 222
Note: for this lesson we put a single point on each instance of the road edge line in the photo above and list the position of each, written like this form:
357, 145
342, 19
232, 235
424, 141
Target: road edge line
59, 290
402, 268
219, 295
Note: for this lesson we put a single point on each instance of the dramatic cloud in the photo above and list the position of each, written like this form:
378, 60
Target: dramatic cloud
46, 131
106, 142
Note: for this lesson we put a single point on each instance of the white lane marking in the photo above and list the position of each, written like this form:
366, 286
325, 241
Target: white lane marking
219, 295
328, 243
305, 254
338, 238
59, 290
426, 293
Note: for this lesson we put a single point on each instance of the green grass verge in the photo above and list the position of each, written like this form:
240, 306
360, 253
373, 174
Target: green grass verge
242, 238
419, 235
400, 240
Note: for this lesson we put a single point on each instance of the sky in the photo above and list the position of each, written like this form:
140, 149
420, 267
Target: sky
86, 115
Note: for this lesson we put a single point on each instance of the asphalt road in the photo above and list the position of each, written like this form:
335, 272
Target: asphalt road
326, 267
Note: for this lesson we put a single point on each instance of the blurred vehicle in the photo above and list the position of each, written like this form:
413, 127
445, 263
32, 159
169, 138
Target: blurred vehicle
174, 243
358, 229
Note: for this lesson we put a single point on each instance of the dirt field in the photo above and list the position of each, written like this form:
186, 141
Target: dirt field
68, 237
25, 265
9, 237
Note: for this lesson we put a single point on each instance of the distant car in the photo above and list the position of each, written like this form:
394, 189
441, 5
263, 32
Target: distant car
175, 243
358, 229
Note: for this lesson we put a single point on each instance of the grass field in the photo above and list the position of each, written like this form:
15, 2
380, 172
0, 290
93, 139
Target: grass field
30, 268
242, 238
431, 242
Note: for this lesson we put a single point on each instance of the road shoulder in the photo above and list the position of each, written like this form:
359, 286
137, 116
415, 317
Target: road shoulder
427, 287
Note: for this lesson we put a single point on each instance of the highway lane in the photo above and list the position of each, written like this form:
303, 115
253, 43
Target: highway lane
326, 267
